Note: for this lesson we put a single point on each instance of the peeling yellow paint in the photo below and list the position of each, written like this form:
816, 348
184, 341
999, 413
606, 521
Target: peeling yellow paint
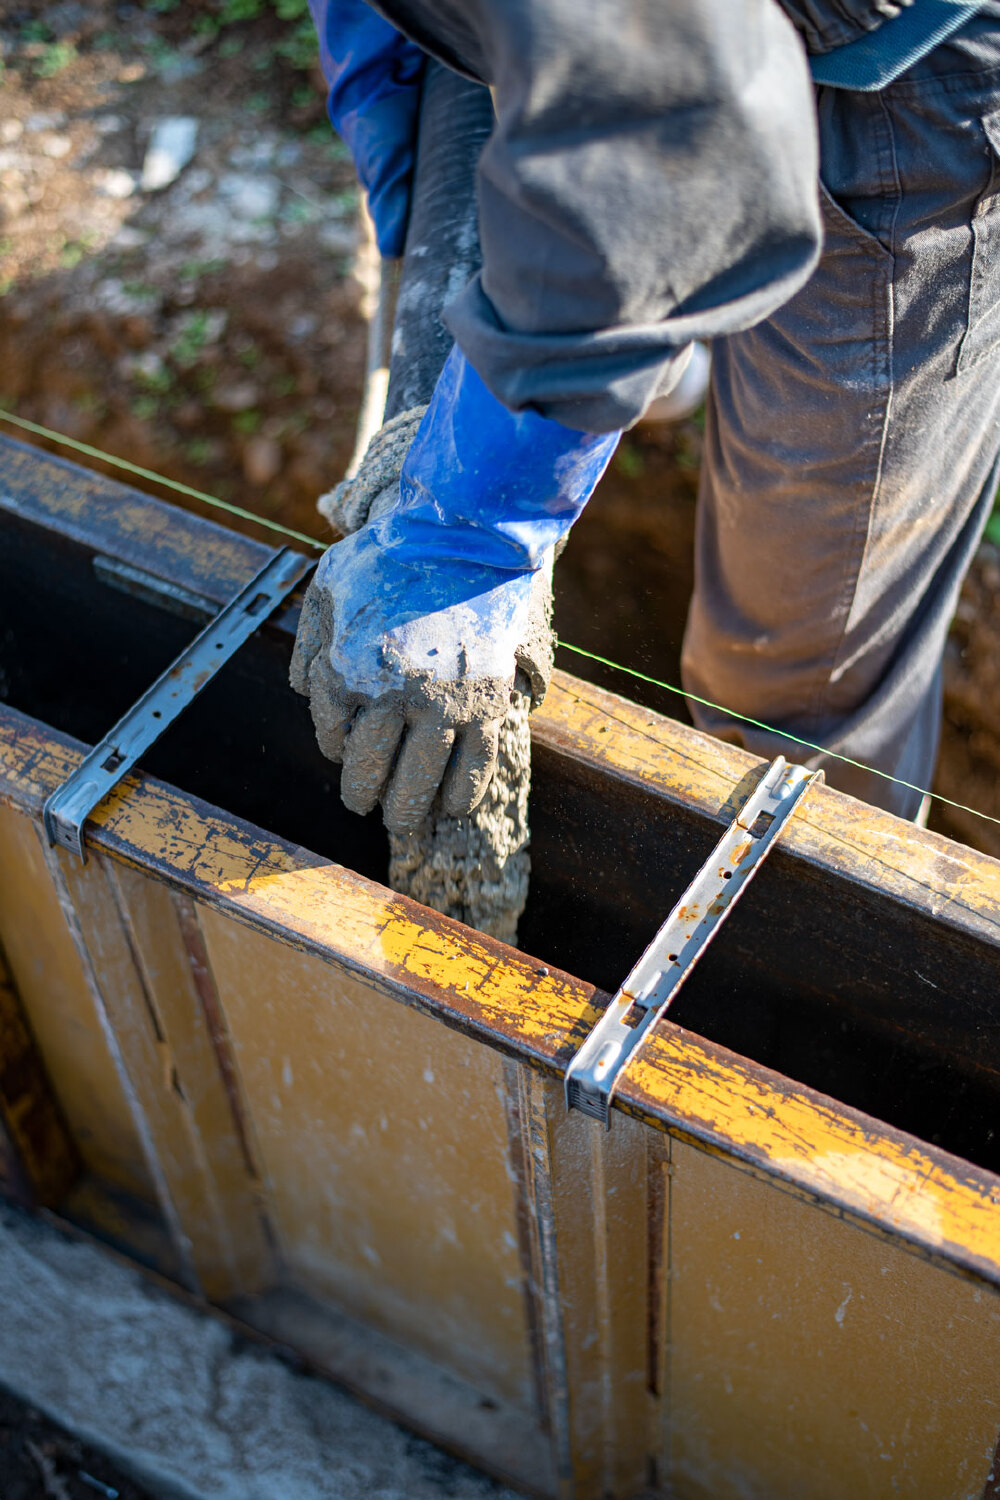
863, 1167
843, 834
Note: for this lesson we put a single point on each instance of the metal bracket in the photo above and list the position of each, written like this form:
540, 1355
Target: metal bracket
71, 804
597, 1069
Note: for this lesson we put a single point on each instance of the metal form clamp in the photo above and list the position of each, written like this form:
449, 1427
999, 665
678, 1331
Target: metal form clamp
598, 1067
69, 807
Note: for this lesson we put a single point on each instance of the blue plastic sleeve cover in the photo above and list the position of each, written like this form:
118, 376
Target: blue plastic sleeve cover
374, 75
488, 486
441, 584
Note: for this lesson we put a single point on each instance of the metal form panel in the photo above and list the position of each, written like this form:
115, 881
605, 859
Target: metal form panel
808, 1358
382, 1148
744, 1289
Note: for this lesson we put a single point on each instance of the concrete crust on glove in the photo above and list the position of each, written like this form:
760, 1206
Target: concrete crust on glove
476, 869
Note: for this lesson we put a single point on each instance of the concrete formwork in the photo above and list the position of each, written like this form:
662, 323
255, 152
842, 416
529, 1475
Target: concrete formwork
338, 1115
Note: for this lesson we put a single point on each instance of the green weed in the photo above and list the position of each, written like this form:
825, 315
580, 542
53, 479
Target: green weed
191, 270
35, 31
192, 338
56, 57
233, 11
299, 47
347, 201
154, 382
298, 213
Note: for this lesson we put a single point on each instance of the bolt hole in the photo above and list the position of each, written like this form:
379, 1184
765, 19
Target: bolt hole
727, 875
157, 714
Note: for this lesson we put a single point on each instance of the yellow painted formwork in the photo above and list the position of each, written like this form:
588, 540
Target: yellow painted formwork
339, 1116
345, 1115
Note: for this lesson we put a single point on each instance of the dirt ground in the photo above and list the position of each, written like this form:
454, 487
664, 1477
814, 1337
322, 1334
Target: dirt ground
208, 326
38, 1461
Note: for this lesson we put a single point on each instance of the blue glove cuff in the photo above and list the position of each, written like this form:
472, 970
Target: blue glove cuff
486, 486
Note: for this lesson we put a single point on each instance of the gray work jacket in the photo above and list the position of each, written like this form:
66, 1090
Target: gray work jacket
652, 179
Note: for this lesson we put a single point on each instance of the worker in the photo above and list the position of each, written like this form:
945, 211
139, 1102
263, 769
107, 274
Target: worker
809, 185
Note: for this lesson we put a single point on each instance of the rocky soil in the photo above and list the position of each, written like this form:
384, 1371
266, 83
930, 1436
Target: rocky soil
181, 286
177, 235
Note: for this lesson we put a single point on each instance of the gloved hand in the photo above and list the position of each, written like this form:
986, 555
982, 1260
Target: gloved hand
374, 75
413, 628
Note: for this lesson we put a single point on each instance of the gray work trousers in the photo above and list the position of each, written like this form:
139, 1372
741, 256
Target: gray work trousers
853, 439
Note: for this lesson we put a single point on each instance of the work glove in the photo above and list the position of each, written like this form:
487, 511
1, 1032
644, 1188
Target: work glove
414, 627
374, 75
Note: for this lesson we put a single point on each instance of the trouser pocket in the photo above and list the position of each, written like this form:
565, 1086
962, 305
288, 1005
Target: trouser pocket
982, 332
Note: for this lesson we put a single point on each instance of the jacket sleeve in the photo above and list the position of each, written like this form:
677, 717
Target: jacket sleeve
651, 179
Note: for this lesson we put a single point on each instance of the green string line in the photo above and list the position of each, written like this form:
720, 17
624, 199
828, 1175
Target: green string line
171, 484
300, 536
794, 738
